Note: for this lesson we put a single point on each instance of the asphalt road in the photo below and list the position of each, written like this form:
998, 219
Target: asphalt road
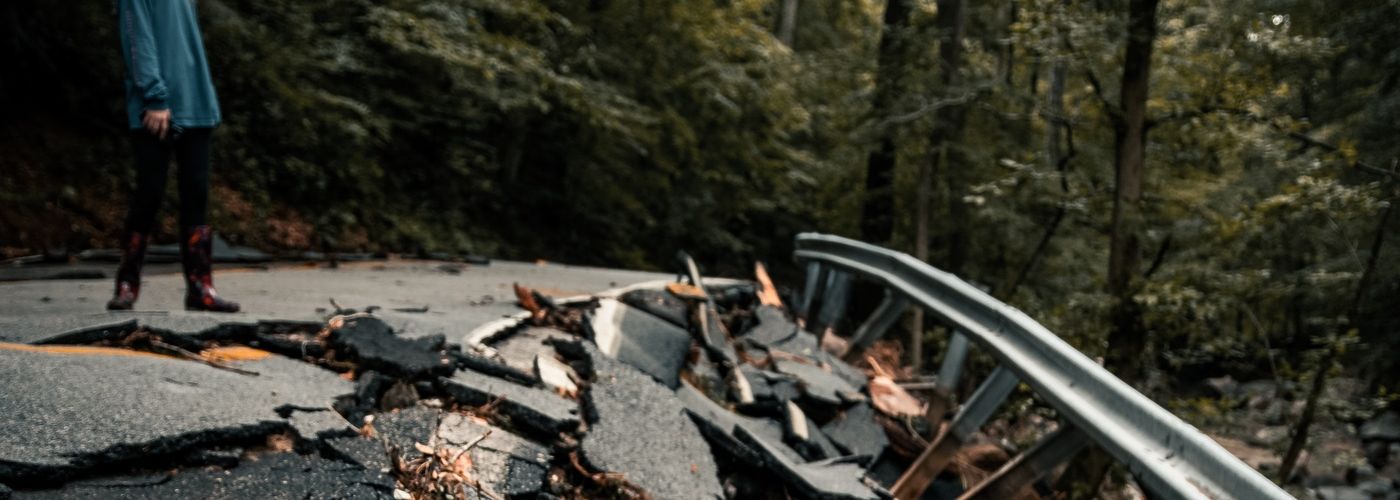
66, 409
458, 296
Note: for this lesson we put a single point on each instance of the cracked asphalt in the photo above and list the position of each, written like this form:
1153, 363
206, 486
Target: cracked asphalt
68, 408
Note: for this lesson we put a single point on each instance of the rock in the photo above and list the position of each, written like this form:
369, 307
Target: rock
856, 431
1222, 387
504, 463
644, 341
1276, 412
372, 343
1268, 437
659, 303
1341, 493
1263, 388
1383, 427
539, 411
1378, 453
639, 429
818, 384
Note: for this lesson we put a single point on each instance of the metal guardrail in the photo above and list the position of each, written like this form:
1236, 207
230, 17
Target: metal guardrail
1169, 457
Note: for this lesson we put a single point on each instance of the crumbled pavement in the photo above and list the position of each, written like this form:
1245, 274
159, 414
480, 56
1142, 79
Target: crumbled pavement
641, 340
637, 428
506, 464
542, 412
597, 399
374, 346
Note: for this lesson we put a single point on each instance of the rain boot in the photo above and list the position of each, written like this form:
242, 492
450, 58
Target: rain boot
196, 251
129, 272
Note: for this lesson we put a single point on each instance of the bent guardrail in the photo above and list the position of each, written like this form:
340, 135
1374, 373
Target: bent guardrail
1169, 457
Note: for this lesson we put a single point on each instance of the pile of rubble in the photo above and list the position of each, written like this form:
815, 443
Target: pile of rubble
679, 390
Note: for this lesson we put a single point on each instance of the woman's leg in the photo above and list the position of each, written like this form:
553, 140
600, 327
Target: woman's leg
196, 238
152, 168
192, 158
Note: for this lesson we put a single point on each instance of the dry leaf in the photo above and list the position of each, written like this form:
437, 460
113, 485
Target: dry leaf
423, 448
527, 301
891, 399
767, 293
686, 291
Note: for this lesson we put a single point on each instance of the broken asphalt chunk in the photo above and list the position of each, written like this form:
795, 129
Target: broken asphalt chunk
833, 479
373, 343
542, 412
818, 384
506, 464
518, 348
641, 340
639, 429
718, 423
401, 430
773, 327
856, 431
319, 424
803, 435
713, 334
364, 452
659, 303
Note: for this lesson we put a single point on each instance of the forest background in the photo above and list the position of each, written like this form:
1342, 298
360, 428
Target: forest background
1191, 187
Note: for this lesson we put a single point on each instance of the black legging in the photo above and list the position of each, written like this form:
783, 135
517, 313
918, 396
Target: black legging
191, 152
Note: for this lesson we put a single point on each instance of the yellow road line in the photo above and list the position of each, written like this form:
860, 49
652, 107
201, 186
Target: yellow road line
77, 350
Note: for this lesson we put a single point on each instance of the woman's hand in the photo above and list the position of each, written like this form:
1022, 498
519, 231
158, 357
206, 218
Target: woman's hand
157, 121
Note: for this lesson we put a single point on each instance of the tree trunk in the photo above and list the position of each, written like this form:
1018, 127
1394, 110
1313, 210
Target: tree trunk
1126, 339
1300, 431
877, 209
787, 22
1059, 149
947, 132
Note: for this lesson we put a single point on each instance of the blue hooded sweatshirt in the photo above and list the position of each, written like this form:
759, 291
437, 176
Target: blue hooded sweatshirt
166, 68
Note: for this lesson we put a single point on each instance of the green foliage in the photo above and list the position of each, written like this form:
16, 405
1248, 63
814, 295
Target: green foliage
617, 132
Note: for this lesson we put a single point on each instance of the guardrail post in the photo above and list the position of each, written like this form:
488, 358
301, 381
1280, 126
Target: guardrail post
951, 370
815, 275
1028, 467
838, 287
880, 321
935, 458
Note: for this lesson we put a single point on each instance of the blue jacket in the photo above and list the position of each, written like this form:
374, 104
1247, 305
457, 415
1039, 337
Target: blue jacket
165, 63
